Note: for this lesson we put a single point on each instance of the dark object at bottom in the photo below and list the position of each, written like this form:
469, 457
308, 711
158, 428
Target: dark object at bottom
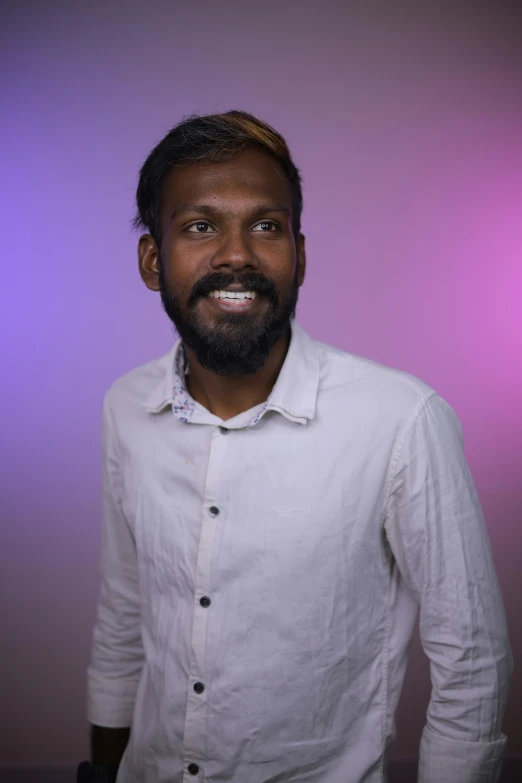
96, 773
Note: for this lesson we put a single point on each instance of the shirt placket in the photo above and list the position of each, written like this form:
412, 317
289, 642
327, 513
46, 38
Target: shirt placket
196, 715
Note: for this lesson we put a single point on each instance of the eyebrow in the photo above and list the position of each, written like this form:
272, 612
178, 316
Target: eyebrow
210, 211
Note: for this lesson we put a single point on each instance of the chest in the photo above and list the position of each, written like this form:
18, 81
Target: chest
279, 501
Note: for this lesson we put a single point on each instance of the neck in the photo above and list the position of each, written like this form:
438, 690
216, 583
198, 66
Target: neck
228, 395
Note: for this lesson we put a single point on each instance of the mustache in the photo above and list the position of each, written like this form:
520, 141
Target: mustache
250, 281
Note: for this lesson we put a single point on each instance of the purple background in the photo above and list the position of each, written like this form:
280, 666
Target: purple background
407, 126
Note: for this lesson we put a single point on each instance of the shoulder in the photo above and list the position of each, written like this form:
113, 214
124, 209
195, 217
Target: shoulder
367, 388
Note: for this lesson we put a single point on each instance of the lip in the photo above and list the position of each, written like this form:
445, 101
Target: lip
225, 306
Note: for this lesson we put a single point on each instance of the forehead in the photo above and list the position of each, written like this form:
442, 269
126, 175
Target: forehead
253, 175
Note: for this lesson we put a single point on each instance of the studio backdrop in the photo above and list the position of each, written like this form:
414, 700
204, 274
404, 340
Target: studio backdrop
406, 123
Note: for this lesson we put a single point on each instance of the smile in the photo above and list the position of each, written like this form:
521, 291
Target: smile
238, 296
233, 300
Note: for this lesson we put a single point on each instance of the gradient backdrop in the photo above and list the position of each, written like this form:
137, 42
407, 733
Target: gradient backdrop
406, 121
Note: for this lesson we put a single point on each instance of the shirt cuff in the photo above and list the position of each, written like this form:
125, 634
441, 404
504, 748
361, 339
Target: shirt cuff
110, 703
457, 761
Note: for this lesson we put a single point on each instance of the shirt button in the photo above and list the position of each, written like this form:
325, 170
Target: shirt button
224, 431
199, 687
205, 601
213, 511
193, 769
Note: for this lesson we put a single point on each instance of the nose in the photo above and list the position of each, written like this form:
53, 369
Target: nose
234, 252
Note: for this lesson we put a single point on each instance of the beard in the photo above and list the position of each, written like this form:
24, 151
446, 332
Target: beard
234, 343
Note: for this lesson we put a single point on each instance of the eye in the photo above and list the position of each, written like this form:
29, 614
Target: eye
266, 226
199, 228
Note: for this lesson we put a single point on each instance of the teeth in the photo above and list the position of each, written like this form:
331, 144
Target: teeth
241, 295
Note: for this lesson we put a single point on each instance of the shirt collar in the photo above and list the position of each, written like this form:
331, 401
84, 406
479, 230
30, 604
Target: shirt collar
294, 394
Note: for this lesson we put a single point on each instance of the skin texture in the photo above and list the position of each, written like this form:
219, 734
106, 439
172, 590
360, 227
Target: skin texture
244, 228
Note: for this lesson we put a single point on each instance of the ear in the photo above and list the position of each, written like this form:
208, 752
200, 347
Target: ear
149, 262
301, 259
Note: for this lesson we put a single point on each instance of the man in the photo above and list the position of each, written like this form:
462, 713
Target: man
275, 513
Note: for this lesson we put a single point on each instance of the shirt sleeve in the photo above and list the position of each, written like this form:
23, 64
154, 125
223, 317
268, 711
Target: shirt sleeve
436, 530
117, 653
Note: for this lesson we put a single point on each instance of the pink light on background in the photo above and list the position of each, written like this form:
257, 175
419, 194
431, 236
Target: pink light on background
407, 126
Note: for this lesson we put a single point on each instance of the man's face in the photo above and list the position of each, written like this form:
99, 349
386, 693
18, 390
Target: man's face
227, 228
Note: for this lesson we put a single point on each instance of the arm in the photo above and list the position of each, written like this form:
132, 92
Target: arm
108, 745
435, 526
107, 749
117, 652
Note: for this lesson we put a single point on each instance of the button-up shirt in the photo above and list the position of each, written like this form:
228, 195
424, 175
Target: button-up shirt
261, 578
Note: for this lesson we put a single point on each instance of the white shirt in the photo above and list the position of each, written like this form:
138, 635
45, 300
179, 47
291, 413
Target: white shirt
261, 579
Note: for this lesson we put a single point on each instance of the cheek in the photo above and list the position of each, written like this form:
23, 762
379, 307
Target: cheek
284, 275
179, 272
280, 263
